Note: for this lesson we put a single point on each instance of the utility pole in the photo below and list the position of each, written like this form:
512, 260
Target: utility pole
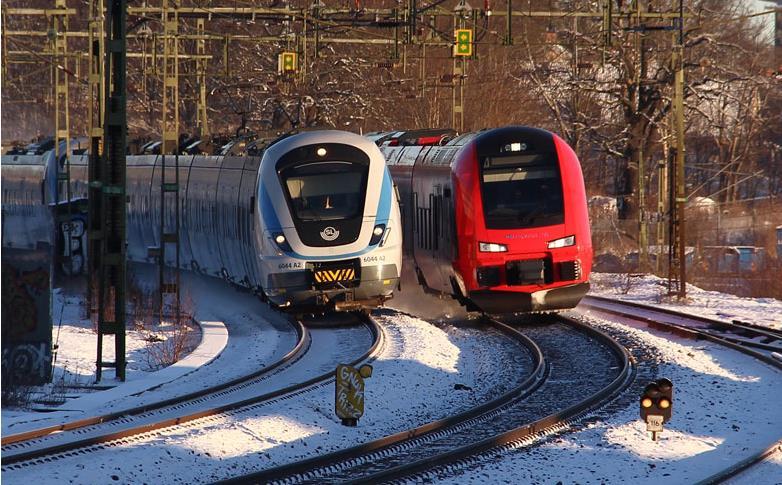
643, 236
95, 129
778, 37
662, 191
203, 121
169, 189
107, 199
677, 246
463, 11
58, 32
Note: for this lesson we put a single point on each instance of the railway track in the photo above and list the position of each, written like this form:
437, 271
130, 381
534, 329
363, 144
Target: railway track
550, 397
302, 343
762, 343
280, 379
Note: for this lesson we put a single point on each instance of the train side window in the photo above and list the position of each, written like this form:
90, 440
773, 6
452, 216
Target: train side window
435, 214
195, 211
416, 222
240, 222
243, 214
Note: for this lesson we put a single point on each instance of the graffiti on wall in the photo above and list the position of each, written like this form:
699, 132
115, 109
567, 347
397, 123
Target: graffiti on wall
21, 292
26, 316
28, 362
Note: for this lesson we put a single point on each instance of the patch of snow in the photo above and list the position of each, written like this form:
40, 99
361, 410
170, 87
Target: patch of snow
652, 290
726, 407
257, 337
412, 384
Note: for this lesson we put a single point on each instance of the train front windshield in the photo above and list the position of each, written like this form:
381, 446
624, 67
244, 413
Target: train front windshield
521, 191
322, 191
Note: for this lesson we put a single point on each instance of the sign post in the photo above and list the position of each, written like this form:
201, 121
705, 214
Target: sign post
349, 393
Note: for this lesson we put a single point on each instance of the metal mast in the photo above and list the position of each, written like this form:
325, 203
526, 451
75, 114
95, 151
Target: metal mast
169, 189
107, 195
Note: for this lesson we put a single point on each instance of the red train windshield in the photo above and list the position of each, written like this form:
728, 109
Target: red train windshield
521, 190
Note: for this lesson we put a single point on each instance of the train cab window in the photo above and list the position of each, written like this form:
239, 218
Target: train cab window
322, 191
521, 190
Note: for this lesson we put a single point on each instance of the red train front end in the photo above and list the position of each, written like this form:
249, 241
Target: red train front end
522, 225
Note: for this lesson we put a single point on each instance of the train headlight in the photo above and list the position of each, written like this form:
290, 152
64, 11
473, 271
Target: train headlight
321, 152
377, 234
281, 241
492, 247
562, 242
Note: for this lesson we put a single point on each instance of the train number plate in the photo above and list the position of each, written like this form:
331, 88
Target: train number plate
654, 423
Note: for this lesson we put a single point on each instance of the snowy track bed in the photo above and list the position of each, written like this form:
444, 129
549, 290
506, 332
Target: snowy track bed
649, 289
725, 409
759, 339
566, 377
414, 381
321, 351
257, 338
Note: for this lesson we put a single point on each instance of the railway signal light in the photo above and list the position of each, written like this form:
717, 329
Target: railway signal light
463, 47
287, 62
657, 405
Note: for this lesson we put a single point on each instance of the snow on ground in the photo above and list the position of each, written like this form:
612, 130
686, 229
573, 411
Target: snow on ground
652, 290
75, 344
726, 407
257, 338
412, 384
769, 471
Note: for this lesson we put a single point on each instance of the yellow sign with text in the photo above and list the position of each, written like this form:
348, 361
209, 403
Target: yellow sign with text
349, 393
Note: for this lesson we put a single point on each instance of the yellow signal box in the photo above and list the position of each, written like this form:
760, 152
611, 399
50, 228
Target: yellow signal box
287, 62
463, 45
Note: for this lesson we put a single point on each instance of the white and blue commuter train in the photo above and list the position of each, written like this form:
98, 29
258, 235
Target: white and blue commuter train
311, 222
329, 222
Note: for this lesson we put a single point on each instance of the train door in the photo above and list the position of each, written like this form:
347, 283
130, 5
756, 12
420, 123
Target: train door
72, 215
428, 201
140, 230
446, 230
227, 199
401, 168
247, 221
185, 250
200, 216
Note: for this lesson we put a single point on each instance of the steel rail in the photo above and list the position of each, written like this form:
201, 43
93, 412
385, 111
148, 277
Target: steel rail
337, 458
695, 334
308, 469
548, 423
72, 447
743, 465
302, 343
734, 324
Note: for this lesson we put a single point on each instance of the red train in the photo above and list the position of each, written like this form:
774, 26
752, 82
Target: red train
497, 219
